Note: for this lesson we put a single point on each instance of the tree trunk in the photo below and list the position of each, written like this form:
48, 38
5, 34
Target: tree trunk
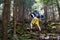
14, 18
45, 12
21, 14
5, 14
53, 13
21, 11
58, 8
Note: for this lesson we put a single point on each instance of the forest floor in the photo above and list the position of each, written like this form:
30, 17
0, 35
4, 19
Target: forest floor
48, 32
22, 33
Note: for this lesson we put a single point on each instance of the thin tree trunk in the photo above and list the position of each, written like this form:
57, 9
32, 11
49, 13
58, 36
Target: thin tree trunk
21, 11
45, 12
21, 14
53, 13
58, 8
14, 18
5, 14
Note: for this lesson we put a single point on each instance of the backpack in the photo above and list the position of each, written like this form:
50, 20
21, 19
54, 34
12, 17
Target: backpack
42, 17
36, 14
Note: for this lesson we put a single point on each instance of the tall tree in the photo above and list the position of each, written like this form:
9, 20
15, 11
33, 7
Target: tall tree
14, 18
24, 5
45, 11
5, 14
53, 13
21, 11
58, 8
45, 2
50, 2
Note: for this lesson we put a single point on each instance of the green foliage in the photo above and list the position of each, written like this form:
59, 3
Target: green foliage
46, 28
48, 1
36, 4
23, 35
43, 1
27, 3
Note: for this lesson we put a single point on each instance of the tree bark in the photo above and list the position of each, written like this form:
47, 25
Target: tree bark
5, 14
14, 18
21, 11
45, 11
58, 8
53, 13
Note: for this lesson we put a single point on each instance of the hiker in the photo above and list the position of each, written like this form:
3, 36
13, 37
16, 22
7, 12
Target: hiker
35, 19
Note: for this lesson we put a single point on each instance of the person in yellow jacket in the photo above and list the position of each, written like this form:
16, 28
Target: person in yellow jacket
35, 21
